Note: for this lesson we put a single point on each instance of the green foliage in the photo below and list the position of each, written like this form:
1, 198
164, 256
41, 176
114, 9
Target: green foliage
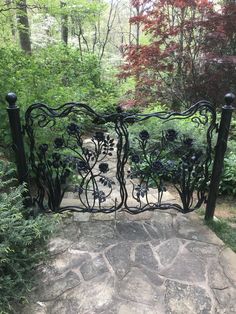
81, 8
225, 232
52, 75
228, 182
185, 127
22, 240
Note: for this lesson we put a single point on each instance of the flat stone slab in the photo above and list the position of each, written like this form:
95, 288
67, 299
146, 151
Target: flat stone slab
82, 217
160, 227
96, 236
182, 298
119, 258
70, 259
58, 245
167, 251
190, 227
132, 231
55, 288
94, 268
227, 261
225, 300
146, 215
129, 307
144, 255
95, 298
137, 287
186, 267
162, 263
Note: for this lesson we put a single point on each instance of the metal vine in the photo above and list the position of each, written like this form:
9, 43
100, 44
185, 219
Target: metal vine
172, 160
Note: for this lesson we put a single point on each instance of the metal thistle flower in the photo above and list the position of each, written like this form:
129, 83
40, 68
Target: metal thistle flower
103, 167
188, 142
157, 165
58, 142
73, 129
99, 136
135, 159
82, 165
43, 148
144, 135
171, 135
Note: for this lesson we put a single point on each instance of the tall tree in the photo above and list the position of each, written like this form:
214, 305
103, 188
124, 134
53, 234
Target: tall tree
23, 25
109, 24
177, 62
64, 23
11, 17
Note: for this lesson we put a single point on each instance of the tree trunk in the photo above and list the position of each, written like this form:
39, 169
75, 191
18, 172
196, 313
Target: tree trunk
23, 25
137, 27
12, 19
64, 25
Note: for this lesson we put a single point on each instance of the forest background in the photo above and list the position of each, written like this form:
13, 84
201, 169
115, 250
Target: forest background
139, 54
144, 55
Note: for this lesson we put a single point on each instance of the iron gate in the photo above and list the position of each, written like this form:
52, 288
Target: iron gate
120, 165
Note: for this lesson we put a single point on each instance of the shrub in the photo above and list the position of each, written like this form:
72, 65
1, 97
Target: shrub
185, 127
22, 240
53, 75
228, 181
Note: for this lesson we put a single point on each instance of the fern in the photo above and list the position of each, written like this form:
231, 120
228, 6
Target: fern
22, 241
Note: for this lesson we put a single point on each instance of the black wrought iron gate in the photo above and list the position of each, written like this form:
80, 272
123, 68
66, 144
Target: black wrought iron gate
122, 164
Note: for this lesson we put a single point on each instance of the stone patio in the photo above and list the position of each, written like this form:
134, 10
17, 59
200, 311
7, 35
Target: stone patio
155, 262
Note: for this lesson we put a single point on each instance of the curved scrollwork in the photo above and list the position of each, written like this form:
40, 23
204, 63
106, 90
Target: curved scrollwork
109, 172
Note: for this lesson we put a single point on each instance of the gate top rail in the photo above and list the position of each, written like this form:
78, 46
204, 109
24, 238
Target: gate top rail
76, 107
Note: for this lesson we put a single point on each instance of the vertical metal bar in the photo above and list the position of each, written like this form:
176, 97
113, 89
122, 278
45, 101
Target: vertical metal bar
17, 137
220, 150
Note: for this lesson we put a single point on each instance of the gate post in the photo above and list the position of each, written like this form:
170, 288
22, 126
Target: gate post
17, 138
220, 150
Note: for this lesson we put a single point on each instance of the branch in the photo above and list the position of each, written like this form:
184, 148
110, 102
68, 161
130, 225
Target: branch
110, 22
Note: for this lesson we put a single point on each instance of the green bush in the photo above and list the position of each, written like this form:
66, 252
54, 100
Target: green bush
22, 240
184, 127
53, 75
228, 181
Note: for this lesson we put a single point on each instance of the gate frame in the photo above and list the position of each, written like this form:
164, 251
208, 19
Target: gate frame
220, 148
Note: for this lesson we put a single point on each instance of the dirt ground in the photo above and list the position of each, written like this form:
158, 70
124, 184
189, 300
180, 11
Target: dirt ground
225, 207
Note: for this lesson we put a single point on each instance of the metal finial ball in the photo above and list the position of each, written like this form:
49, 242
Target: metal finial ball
11, 98
229, 98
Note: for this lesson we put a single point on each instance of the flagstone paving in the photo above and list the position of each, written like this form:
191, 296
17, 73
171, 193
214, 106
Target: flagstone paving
156, 262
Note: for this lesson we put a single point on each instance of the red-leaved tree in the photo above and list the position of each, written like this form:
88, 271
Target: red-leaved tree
190, 54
